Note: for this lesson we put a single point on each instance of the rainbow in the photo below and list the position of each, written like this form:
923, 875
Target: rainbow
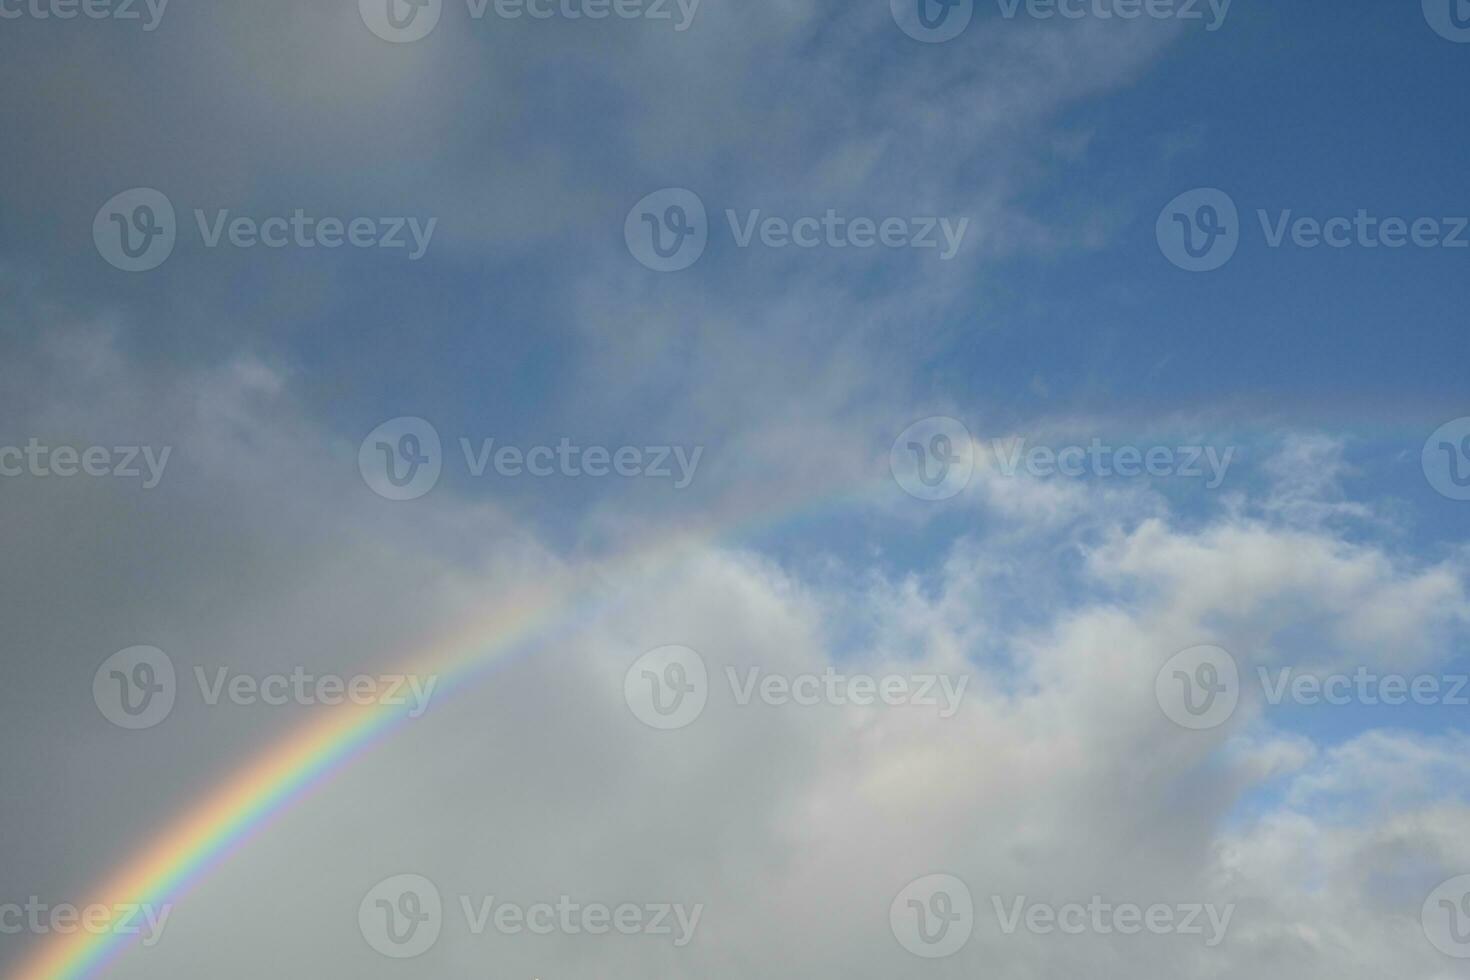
209, 832
215, 828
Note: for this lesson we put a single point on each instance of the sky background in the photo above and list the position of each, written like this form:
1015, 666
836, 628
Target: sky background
1325, 548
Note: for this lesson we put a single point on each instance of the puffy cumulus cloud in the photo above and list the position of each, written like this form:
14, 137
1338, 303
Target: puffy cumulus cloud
795, 827
1333, 881
1363, 602
1382, 770
1059, 777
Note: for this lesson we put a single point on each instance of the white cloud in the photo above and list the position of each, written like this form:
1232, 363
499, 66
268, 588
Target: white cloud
1059, 779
